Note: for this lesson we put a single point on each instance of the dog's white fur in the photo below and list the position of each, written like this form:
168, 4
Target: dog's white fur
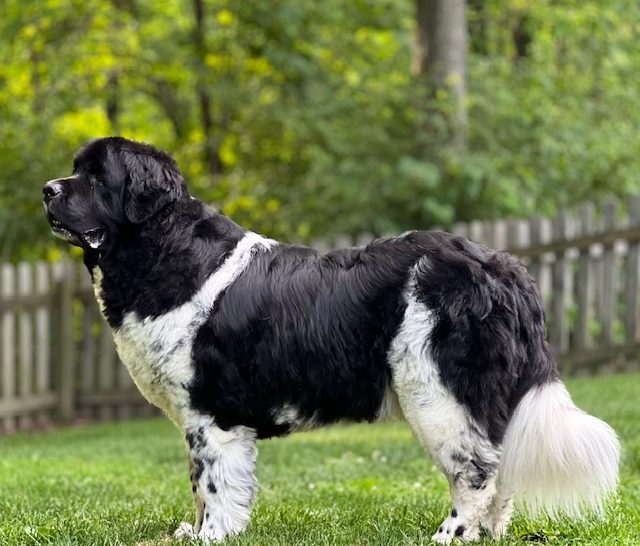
549, 448
555, 456
157, 351
442, 425
225, 510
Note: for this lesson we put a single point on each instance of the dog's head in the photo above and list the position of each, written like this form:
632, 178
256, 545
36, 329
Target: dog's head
116, 184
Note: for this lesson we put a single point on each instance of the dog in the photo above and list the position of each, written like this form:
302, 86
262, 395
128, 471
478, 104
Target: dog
238, 337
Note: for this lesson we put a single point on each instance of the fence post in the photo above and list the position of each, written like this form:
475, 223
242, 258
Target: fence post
535, 238
8, 352
584, 281
66, 391
42, 334
633, 273
609, 280
559, 328
25, 338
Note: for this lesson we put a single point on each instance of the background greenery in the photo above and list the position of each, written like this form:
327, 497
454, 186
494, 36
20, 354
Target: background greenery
315, 125
372, 485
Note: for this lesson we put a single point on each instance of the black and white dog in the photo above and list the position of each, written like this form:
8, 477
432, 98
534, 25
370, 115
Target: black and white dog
238, 337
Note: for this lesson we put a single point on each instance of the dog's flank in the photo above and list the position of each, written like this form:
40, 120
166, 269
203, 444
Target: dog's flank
237, 337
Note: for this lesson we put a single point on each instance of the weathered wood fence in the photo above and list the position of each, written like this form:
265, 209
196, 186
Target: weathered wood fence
57, 357
58, 362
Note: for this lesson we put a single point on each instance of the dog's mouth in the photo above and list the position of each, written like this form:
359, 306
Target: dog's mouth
59, 230
64, 234
93, 238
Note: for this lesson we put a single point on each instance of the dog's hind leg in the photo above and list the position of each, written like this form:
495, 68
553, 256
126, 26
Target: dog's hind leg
223, 479
460, 447
460, 450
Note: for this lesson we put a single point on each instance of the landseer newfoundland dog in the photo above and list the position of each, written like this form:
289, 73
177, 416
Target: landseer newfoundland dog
238, 337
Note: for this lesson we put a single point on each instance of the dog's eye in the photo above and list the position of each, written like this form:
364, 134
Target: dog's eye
96, 182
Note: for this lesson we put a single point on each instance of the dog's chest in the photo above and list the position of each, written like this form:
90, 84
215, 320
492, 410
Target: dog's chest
157, 350
157, 353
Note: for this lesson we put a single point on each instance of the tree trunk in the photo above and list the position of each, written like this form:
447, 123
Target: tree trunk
439, 56
112, 98
211, 152
521, 37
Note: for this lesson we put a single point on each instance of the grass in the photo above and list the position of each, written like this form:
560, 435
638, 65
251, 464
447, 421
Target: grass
127, 483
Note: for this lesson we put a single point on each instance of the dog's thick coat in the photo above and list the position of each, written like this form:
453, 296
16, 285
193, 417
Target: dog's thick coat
237, 337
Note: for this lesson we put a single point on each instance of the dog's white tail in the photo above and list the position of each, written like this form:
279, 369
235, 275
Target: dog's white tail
557, 458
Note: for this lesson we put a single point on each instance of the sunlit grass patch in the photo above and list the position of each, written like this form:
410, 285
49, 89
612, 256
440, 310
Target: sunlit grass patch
127, 484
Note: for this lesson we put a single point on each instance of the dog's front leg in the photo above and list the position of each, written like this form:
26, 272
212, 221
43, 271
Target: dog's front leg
223, 479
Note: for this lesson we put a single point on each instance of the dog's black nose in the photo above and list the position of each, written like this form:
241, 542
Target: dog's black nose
51, 189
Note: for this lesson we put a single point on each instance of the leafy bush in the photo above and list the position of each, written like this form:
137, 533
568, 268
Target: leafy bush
318, 126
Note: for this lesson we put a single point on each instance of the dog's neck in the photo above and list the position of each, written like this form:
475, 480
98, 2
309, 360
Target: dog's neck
160, 264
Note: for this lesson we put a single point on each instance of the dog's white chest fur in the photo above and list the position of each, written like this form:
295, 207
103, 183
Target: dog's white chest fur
157, 351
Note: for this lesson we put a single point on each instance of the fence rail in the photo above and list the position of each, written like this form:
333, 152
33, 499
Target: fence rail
58, 361
57, 357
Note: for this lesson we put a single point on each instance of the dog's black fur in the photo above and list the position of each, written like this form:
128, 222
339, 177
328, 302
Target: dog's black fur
276, 337
300, 327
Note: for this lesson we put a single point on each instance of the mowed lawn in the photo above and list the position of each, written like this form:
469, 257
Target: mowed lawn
127, 483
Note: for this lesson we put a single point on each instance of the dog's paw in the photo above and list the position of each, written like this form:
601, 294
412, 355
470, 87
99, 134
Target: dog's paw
185, 531
497, 520
497, 527
452, 528
208, 535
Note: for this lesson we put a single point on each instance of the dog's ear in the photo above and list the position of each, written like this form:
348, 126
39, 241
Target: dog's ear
154, 181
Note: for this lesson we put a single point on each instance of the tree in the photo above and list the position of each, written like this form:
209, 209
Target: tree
211, 143
316, 125
439, 56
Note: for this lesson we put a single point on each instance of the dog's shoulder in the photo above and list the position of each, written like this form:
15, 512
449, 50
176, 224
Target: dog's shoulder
164, 264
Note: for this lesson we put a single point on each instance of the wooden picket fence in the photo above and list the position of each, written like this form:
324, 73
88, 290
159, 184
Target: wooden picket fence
57, 357
58, 362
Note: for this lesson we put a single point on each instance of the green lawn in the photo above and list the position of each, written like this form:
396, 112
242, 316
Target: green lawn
362, 485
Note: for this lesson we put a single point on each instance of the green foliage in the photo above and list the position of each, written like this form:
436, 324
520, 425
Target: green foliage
127, 483
559, 125
316, 120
